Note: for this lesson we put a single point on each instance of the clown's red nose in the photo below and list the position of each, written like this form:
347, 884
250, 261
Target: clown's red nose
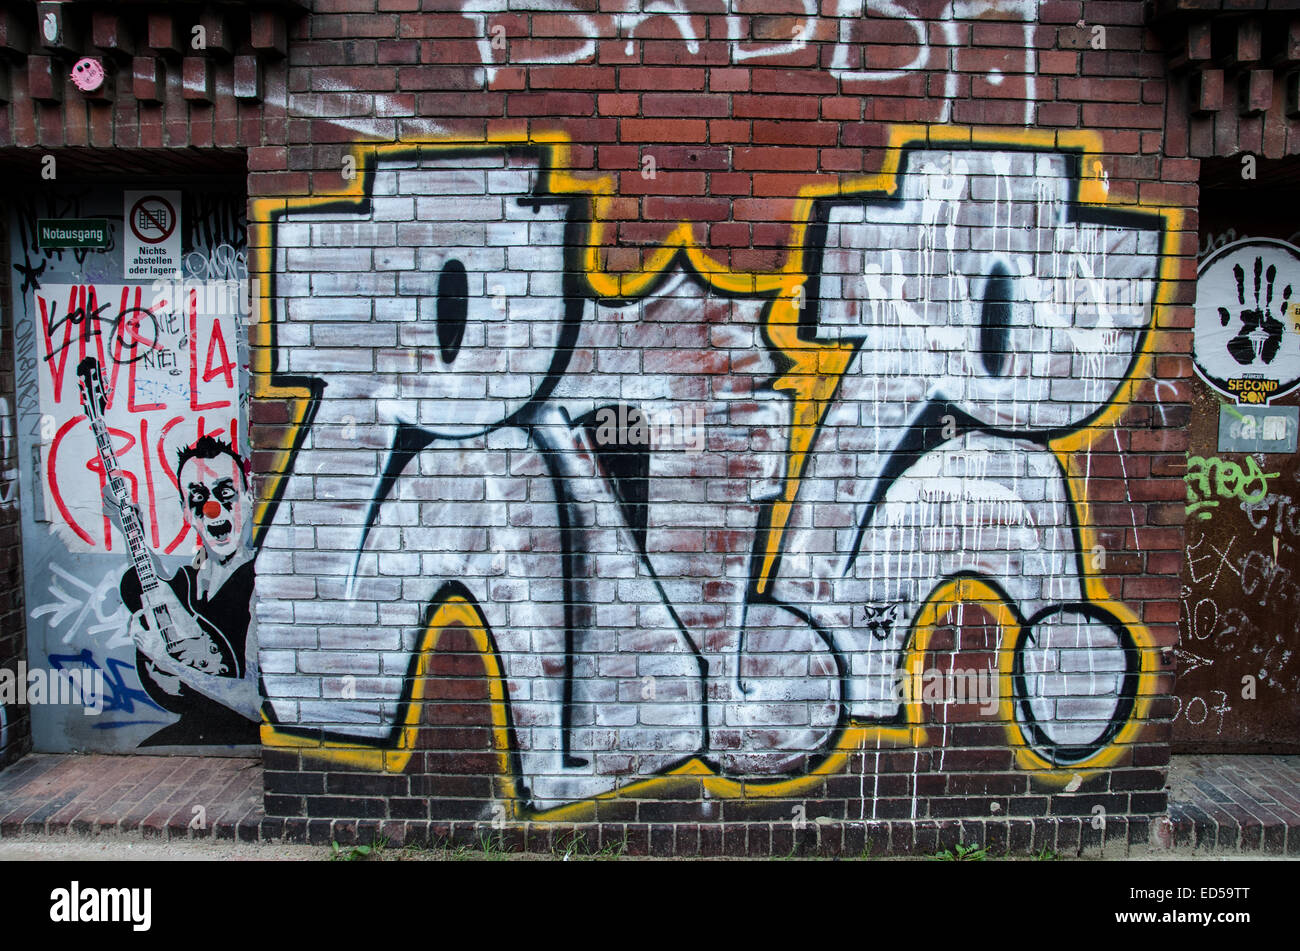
211, 508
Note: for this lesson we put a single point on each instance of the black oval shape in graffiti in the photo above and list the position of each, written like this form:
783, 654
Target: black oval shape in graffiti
453, 302
995, 319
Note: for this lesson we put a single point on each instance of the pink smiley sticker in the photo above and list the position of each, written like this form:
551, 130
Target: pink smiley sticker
88, 74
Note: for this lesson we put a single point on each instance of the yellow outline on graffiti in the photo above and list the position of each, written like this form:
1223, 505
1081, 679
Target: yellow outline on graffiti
811, 380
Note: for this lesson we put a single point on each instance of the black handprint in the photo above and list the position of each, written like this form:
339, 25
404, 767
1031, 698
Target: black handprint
1247, 345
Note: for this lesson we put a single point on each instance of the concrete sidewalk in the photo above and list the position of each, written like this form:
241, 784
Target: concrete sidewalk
1220, 806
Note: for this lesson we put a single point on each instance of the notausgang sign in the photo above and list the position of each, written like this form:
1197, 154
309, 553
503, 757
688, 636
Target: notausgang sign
72, 233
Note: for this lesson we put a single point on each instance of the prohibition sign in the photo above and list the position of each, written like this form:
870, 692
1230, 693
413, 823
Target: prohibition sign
152, 219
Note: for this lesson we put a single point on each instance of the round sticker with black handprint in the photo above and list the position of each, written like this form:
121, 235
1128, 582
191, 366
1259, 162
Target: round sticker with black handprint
1247, 336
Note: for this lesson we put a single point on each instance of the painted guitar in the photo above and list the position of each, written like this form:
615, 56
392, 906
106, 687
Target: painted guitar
169, 608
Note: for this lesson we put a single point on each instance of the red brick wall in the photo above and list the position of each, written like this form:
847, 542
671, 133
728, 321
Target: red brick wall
785, 157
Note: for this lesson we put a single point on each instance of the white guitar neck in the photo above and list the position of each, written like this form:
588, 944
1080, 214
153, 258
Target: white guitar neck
132, 529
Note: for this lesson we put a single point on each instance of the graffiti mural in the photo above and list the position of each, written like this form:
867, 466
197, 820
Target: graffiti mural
169, 366
896, 424
132, 411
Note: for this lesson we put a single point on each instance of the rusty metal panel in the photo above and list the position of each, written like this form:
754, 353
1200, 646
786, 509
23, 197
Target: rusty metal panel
1238, 671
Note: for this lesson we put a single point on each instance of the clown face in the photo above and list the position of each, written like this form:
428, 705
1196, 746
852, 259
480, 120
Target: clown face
214, 503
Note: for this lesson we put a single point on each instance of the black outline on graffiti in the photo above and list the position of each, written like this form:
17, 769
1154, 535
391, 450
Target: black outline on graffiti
922, 437
410, 439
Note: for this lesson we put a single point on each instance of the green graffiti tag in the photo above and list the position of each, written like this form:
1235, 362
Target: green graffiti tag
1207, 478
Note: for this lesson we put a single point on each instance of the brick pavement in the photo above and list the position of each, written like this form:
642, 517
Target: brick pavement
1235, 804
152, 796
